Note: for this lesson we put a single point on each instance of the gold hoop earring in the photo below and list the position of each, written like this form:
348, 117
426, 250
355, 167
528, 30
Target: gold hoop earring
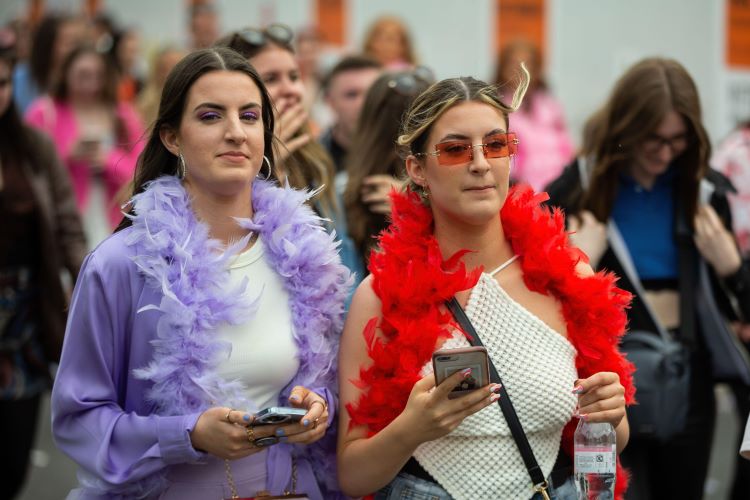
270, 170
181, 167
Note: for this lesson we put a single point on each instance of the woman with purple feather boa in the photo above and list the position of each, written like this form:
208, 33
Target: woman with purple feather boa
219, 295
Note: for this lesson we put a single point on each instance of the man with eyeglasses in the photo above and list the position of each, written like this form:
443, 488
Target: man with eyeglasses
344, 89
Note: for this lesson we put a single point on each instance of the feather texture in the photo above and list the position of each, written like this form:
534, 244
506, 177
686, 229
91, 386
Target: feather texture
177, 257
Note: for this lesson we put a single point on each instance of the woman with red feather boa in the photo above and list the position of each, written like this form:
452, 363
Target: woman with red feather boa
551, 326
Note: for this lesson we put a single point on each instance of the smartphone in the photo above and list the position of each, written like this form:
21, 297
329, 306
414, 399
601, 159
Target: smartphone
279, 415
446, 362
90, 143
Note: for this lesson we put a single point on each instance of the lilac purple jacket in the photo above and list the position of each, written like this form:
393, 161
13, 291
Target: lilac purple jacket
138, 363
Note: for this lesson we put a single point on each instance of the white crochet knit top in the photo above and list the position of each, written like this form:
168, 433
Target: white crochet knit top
479, 459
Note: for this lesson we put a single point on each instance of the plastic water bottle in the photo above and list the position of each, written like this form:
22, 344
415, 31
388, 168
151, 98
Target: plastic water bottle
595, 463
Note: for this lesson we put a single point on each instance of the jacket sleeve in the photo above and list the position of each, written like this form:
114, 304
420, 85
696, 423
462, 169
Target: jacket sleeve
69, 234
738, 284
118, 448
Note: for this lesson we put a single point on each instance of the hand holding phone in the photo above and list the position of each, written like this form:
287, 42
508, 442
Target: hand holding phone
446, 362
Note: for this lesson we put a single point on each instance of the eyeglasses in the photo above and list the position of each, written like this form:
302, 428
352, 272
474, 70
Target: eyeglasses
458, 152
407, 83
653, 144
277, 32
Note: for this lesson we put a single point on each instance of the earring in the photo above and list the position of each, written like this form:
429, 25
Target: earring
182, 166
425, 193
270, 171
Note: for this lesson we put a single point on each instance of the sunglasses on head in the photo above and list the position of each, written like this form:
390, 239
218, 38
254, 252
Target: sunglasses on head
276, 32
500, 145
407, 82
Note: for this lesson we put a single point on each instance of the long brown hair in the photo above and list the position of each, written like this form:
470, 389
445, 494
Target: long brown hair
640, 100
373, 151
309, 166
156, 160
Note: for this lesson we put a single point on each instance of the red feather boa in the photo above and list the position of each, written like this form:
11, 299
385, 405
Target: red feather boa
412, 280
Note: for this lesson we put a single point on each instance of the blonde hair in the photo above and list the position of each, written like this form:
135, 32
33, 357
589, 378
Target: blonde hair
443, 95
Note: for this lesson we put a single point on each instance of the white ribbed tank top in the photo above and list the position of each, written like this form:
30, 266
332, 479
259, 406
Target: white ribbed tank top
479, 459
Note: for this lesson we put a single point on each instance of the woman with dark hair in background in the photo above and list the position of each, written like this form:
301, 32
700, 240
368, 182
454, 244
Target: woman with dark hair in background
301, 160
219, 295
373, 165
40, 237
97, 136
644, 174
545, 146
55, 37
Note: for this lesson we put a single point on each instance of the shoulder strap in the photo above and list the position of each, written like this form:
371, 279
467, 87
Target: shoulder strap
506, 405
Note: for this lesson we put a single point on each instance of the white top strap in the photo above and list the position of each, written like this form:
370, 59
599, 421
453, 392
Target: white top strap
504, 265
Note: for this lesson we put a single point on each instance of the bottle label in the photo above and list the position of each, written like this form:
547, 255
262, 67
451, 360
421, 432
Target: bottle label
595, 460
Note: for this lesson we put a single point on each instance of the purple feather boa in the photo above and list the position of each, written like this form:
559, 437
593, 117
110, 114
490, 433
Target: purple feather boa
176, 255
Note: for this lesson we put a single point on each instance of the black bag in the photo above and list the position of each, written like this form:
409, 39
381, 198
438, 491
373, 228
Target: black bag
662, 379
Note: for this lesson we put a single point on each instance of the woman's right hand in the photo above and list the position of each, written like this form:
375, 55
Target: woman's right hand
224, 433
430, 414
289, 121
588, 234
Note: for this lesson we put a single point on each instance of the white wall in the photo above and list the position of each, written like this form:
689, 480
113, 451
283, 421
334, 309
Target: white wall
592, 42
454, 38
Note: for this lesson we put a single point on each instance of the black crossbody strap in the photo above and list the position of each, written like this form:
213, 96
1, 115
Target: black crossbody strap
506, 405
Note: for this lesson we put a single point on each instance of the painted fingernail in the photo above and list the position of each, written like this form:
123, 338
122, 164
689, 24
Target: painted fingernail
279, 431
583, 416
577, 389
466, 372
294, 397
246, 417
495, 388
494, 398
306, 422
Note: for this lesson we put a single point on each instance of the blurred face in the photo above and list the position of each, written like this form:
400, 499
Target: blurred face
280, 73
388, 43
472, 192
127, 51
205, 29
167, 61
6, 87
346, 95
221, 134
656, 152
86, 77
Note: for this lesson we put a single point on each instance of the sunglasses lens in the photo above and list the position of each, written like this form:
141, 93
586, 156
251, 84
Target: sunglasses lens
453, 153
253, 37
496, 146
280, 32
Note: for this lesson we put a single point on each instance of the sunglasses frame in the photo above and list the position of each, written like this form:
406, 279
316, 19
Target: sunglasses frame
512, 144
405, 82
275, 32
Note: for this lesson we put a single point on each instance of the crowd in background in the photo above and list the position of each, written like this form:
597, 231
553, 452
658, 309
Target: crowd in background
85, 96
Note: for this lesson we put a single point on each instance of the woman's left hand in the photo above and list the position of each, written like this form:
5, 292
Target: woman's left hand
376, 190
313, 425
601, 398
715, 243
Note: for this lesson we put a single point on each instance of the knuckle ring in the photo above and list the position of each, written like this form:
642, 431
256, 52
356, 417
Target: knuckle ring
320, 402
250, 435
315, 423
226, 417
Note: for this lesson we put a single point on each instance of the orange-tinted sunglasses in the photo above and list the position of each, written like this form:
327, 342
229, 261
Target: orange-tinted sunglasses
458, 152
